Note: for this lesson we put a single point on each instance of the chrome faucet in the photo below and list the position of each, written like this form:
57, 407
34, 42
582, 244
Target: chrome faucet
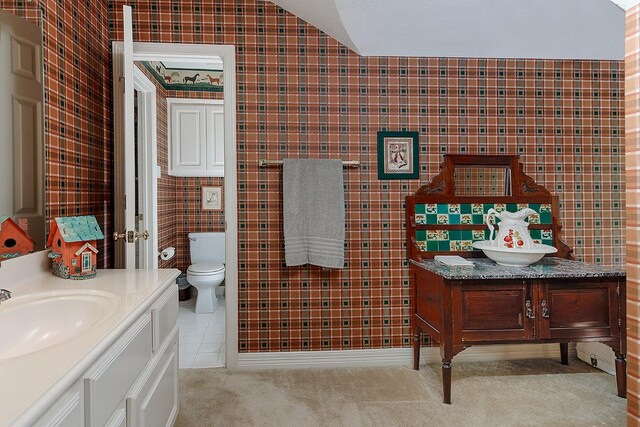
4, 295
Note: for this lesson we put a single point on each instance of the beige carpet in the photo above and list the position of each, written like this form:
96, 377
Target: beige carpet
534, 392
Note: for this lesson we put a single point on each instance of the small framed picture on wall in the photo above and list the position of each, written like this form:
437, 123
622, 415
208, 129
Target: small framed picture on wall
398, 155
211, 198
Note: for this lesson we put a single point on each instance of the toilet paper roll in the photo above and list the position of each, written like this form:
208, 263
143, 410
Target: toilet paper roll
167, 253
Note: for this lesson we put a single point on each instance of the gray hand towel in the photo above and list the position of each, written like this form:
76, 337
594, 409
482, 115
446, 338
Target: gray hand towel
313, 199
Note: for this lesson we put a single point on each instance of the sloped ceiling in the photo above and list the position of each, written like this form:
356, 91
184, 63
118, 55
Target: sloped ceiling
626, 4
553, 29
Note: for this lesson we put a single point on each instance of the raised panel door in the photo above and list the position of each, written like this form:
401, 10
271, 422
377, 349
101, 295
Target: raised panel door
21, 132
578, 309
188, 148
215, 140
493, 312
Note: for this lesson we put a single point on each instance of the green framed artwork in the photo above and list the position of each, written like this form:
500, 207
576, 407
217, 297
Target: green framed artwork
398, 155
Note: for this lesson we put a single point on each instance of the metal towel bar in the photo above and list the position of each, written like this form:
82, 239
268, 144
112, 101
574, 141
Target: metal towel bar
264, 162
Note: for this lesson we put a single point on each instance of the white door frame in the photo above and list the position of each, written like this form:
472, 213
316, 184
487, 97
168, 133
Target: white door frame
148, 171
201, 53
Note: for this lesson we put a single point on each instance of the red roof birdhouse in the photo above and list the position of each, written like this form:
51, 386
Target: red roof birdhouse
14, 241
73, 246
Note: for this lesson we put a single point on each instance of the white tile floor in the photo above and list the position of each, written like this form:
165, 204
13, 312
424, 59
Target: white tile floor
202, 343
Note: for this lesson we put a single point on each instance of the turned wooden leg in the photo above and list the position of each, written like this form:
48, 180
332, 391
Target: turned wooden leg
416, 350
621, 374
446, 381
564, 353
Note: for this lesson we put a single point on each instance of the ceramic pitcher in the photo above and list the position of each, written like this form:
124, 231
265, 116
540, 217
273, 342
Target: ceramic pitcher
513, 232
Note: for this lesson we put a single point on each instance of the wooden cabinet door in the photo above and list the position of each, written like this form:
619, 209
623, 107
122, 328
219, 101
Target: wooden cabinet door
580, 308
492, 312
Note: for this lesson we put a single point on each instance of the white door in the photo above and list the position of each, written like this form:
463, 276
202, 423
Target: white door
125, 234
22, 140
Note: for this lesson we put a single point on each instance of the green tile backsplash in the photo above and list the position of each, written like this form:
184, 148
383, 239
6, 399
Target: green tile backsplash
471, 214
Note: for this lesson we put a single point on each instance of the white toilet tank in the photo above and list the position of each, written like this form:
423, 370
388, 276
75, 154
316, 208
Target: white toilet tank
206, 247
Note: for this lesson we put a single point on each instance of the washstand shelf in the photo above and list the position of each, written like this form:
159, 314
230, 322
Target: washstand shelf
556, 300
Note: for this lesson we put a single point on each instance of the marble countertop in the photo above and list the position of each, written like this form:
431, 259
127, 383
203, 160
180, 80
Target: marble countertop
546, 268
30, 383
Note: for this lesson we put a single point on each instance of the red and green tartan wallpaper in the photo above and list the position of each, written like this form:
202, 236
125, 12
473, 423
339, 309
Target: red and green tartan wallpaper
632, 125
301, 94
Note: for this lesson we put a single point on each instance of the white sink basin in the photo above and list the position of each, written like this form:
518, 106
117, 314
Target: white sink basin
514, 257
38, 321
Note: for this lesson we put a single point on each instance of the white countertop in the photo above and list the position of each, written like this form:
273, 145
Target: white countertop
29, 384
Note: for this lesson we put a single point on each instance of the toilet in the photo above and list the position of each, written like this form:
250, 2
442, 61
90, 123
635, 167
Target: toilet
206, 271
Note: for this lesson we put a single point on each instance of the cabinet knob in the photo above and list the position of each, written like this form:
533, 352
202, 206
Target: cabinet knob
529, 310
545, 309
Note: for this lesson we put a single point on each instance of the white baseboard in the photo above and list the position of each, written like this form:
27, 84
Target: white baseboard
603, 354
392, 356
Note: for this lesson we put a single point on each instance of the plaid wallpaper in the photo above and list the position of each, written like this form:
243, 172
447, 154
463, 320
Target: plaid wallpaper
632, 98
77, 73
301, 94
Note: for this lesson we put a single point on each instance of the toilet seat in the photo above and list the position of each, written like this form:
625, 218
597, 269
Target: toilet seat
205, 268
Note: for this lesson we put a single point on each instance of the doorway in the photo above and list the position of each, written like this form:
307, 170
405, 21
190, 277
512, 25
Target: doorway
200, 54
146, 175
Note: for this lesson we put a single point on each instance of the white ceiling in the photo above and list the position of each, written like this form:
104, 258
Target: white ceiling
626, 4
550, 29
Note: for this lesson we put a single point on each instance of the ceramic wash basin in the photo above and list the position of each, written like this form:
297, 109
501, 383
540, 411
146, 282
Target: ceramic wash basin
514, 257
38, 321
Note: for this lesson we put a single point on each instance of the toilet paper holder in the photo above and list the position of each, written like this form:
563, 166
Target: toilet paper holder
167, 253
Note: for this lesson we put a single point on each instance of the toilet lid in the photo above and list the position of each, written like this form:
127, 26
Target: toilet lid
206, 267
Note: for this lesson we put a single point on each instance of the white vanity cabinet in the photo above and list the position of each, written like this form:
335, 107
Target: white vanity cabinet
196, 137
134, 382
68, 411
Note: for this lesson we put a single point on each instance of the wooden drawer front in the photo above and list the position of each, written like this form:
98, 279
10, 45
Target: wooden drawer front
164, 315
109, 379
579, 313
492, 314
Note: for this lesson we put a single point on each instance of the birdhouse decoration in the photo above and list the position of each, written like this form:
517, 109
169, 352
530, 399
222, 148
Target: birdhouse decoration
73, 246
14, 241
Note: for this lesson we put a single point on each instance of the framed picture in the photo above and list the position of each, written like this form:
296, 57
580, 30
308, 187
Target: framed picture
211, 198
398, 155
